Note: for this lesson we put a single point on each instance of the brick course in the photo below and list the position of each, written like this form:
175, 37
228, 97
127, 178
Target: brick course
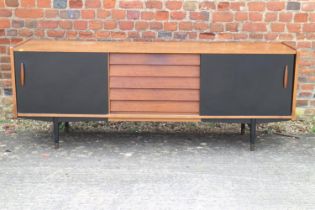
156, 20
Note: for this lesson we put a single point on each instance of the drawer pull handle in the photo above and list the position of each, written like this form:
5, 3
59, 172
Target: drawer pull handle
22, 75
285, 77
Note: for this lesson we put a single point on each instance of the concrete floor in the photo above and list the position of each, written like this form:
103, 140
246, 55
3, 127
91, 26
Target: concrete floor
156, 171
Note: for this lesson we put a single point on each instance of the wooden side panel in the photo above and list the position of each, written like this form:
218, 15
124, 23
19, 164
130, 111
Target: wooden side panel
155, 59
14, 110
154, 84
295, 84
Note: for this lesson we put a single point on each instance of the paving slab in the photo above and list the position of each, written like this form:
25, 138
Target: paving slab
96, 170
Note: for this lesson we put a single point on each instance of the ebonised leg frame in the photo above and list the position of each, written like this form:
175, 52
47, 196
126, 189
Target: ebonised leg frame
252, 134
242, 128
56, 132
67, 126
252, 126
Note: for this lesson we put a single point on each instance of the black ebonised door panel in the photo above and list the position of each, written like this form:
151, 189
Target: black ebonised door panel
246, 85
65, 83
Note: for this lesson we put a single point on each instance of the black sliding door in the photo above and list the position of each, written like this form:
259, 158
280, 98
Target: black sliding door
246, 85
63, 83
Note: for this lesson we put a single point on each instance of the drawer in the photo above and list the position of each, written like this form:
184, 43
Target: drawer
154, 71
154, 82
157, 107
133, 94
155, 59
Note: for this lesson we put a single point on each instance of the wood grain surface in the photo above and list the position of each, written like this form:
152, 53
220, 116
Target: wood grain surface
156, 47
155, 59
154, 71
154, 84
155, 106
154, 94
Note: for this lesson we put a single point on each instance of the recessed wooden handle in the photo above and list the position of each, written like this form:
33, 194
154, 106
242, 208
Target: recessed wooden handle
285, 77
22, 75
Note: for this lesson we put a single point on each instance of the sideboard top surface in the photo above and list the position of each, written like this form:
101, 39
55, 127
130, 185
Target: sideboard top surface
155, 47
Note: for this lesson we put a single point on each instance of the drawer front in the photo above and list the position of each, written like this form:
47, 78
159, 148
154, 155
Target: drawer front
61, 83
154, 84
247, 85
155, 59
154, 71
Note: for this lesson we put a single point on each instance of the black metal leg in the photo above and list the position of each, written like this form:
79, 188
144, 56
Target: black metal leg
56, 132
67, 126
242, 128
252, 134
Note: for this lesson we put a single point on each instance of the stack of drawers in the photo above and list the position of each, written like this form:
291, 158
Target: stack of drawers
154, 84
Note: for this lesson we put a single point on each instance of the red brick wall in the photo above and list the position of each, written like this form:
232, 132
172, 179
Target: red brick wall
261, 20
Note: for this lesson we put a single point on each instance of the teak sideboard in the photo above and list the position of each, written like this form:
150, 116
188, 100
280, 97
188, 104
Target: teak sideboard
154, 81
